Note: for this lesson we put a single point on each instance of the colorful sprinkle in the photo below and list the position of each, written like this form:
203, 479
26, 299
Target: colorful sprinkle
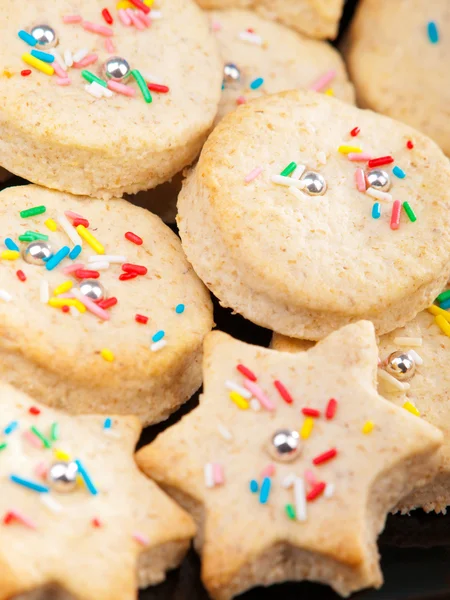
38, 64
290, 511
45, 442
34, 410
9, 255
90, 239
409, 145
307, 427
256, 83
433, 33
26, 72
32, 212
11, 245
57, 258
107, 16
443, 324
395, 215
347, 149
239, 400
323, 81
157, 87
445, 304
265, 490
367, 427
311, 412
107, 355
85, 476
289, 169
317, 490
90, 77
107, 424
158, 345
410, 212
27, 38
54, 432
14, 515
325, 457
100, 29
21, 275
283, 392
355, 131
246, 372
400, 173
331, 408
91, 305
11, 427
44, 56
258, 393
31, 485
179, 309
132, 237
376, 210
358, 156
108, 303
380, 161
142, 85
141, 319
3, 446
300, 499
411, 408
360, 180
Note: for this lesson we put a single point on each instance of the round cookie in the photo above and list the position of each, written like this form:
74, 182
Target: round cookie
314, 18
298, 62
139, 350
64, 138
403, 78
302, 264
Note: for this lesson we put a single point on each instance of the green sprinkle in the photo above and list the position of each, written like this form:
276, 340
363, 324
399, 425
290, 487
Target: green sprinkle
90, 77
289, 169
37, 236
409, 211
54, 432
32, 212
142, 85
42, 437
290, 511
3, 446
443, 296
27, 238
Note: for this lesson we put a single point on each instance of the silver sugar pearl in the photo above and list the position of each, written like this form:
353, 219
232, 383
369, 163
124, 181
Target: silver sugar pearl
231, 73
62, 477
45, 36
116, 68
93, 289
379, 180
37, 253
400, 365
315, 184
284, 445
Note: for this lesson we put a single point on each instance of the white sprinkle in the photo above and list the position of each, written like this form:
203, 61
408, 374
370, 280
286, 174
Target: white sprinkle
252, 38
208, 471
108, 257
329, 490
224, 432
93, 91
383, 196
158, 345
288, 481
74, 311
255, 405
382, 374
299, 170
417, 358
288, 181
68, 58
156, 15
322, 157
44, 291
80, 55
152, 78
408, 341
300, 499
298, 193
50, 503
310, 128
101, 265
69, 229
58, 58
99, 91
105, 91
238, 388
6, 296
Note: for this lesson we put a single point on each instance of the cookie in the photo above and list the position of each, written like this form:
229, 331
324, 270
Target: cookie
99, 141
256, 63
306, 256
291, 462
314, 18
72, 495
403, 78
131, 342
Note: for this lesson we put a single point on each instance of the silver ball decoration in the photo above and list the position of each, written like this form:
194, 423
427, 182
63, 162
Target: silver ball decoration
379, 180
45, 36
315, 184
400, 365
231, 73
62, 477
93, 289
116, 68
37, 253
284, 445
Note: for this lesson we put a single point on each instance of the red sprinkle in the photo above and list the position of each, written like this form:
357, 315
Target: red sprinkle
25, 72
141, 319
107, 303
409, 145
107, 16
395, 215
331, 408
80, 221
354, 132
317, 490
126, 276
86, 274
250, 30
246, 373
380, 161
325, 457
283, 392
8, 518
96, 523
141, 6
21, 275
241, 100
132, 237
156, 87
65, 308
311, 412
138, 269
34, 410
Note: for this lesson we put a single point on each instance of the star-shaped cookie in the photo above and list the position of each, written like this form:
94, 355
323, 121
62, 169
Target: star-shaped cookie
352, 455
74, 509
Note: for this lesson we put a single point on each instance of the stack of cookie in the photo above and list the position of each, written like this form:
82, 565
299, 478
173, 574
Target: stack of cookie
308, 216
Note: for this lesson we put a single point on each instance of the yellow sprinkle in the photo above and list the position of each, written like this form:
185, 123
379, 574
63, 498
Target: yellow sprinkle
51, 224
435, 310
411, 408
239, 400
38, 64
367, 427
443, 324
61, 455
346, 149
63, 288
107, 354
60, 302
307, 428
90, 239
124, 4
329, 92
10, 255
148, 2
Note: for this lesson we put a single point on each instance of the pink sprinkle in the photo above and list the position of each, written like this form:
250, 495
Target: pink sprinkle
136, 22
141, 539
123, 16
259, 394
15, 514
63, 81
253, 174
241, 100
358, 156
143, 17
90, 59
72, 215
100, 29
360, 180
71, 268
109, 46
72, 19
91, 306
41, 470
32, 439
309, 476
268, 471
216, 26
323, 81
121, 88
59, 70
219, 478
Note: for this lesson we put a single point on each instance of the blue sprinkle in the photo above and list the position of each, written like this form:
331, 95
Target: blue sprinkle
87, 480
107, 424
445, 304
158, 336
36, 487
257, 83
11, 245
433, 33
27, 37
254, 486
179, 309
76, 251
376, 210
11, 427
223, 86
44, 56
400, 173
54, 260
265, 490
